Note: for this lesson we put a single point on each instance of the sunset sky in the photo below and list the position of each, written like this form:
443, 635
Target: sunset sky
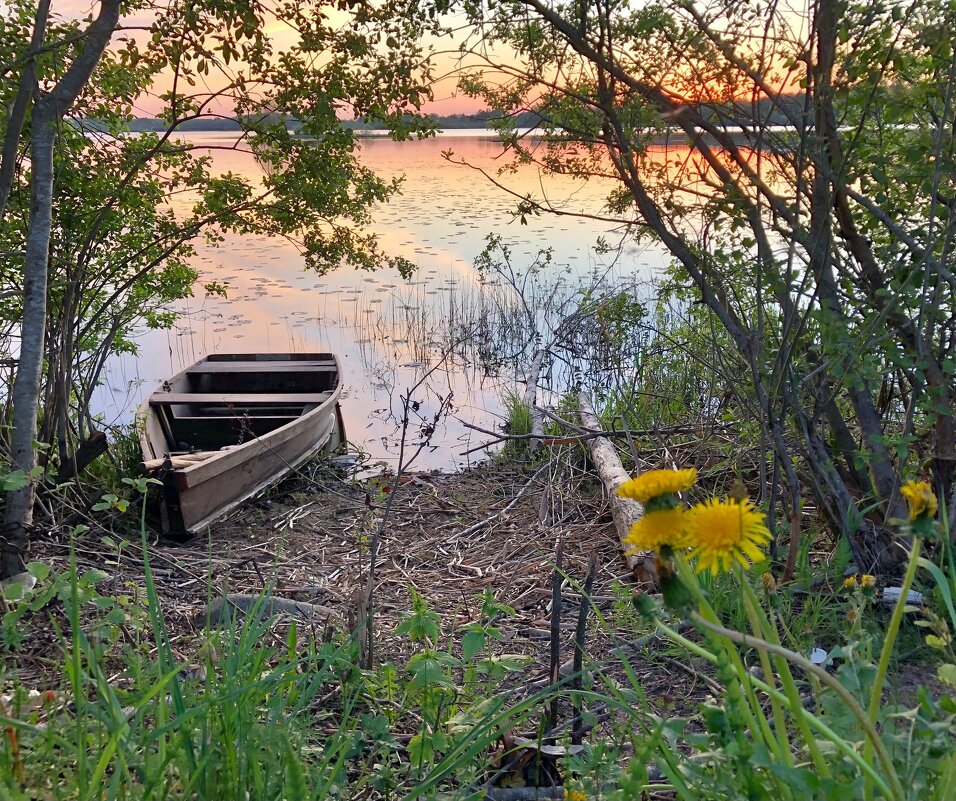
447, 99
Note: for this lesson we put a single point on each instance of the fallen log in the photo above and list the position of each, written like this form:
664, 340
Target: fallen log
624, 511
95, 445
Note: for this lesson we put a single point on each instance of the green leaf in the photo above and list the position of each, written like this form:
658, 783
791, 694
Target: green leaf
428, 671
942, 583
296, 786
14, 481
116, 616
13, 591
93, 577
420, 749
421, 624
39, 570
947, 674
472, 644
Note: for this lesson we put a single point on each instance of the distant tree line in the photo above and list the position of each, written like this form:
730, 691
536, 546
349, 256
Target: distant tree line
779, 111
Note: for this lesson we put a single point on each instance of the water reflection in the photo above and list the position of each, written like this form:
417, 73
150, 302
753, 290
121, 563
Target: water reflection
387, 332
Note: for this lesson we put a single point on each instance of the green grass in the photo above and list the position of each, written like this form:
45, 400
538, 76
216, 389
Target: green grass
517, 421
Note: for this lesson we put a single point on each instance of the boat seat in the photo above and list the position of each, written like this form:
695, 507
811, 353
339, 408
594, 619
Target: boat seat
291, 367
238, 399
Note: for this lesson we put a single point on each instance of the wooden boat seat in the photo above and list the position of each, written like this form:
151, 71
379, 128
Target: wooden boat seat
264, 367
238, 398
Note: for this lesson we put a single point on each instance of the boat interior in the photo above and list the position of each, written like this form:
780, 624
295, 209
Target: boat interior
229, 399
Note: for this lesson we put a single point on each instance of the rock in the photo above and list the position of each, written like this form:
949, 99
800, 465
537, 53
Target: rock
18, 587
221, 609
892, 594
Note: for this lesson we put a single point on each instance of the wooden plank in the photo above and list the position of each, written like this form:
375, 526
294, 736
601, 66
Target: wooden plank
270, 357
263, 367
218, 418
179, 461
238, 399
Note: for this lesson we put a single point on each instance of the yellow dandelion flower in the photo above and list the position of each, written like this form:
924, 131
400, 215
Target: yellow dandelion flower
657, 529
867, 582
657, 482
920, 499
574, 795
849, 583
721, 531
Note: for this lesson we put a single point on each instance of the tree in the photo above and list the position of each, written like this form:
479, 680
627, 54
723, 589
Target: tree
104, 251
806, 201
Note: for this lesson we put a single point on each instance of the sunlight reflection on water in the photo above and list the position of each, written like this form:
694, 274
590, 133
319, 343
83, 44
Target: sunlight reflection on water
382, 327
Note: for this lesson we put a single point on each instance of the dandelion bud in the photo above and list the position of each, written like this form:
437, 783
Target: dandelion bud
852, 615
769, 583
738, 491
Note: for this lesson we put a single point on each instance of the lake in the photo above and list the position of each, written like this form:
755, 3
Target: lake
389, 333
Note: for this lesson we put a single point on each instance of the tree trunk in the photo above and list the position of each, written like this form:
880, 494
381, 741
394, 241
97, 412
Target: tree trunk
530, 397
48, 109
26, 385
21, 103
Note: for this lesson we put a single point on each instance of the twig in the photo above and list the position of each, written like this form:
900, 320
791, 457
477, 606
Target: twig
577, 732
500, 514
587, 434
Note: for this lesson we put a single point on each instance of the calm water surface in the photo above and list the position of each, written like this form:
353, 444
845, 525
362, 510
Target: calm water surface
383, 328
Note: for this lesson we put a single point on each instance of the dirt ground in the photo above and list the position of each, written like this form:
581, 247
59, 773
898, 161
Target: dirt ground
450, 536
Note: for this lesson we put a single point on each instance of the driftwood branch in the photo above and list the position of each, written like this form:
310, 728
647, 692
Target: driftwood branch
94, 446
221, 609
624, 511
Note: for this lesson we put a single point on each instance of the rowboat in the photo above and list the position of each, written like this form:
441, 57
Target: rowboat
231, 425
